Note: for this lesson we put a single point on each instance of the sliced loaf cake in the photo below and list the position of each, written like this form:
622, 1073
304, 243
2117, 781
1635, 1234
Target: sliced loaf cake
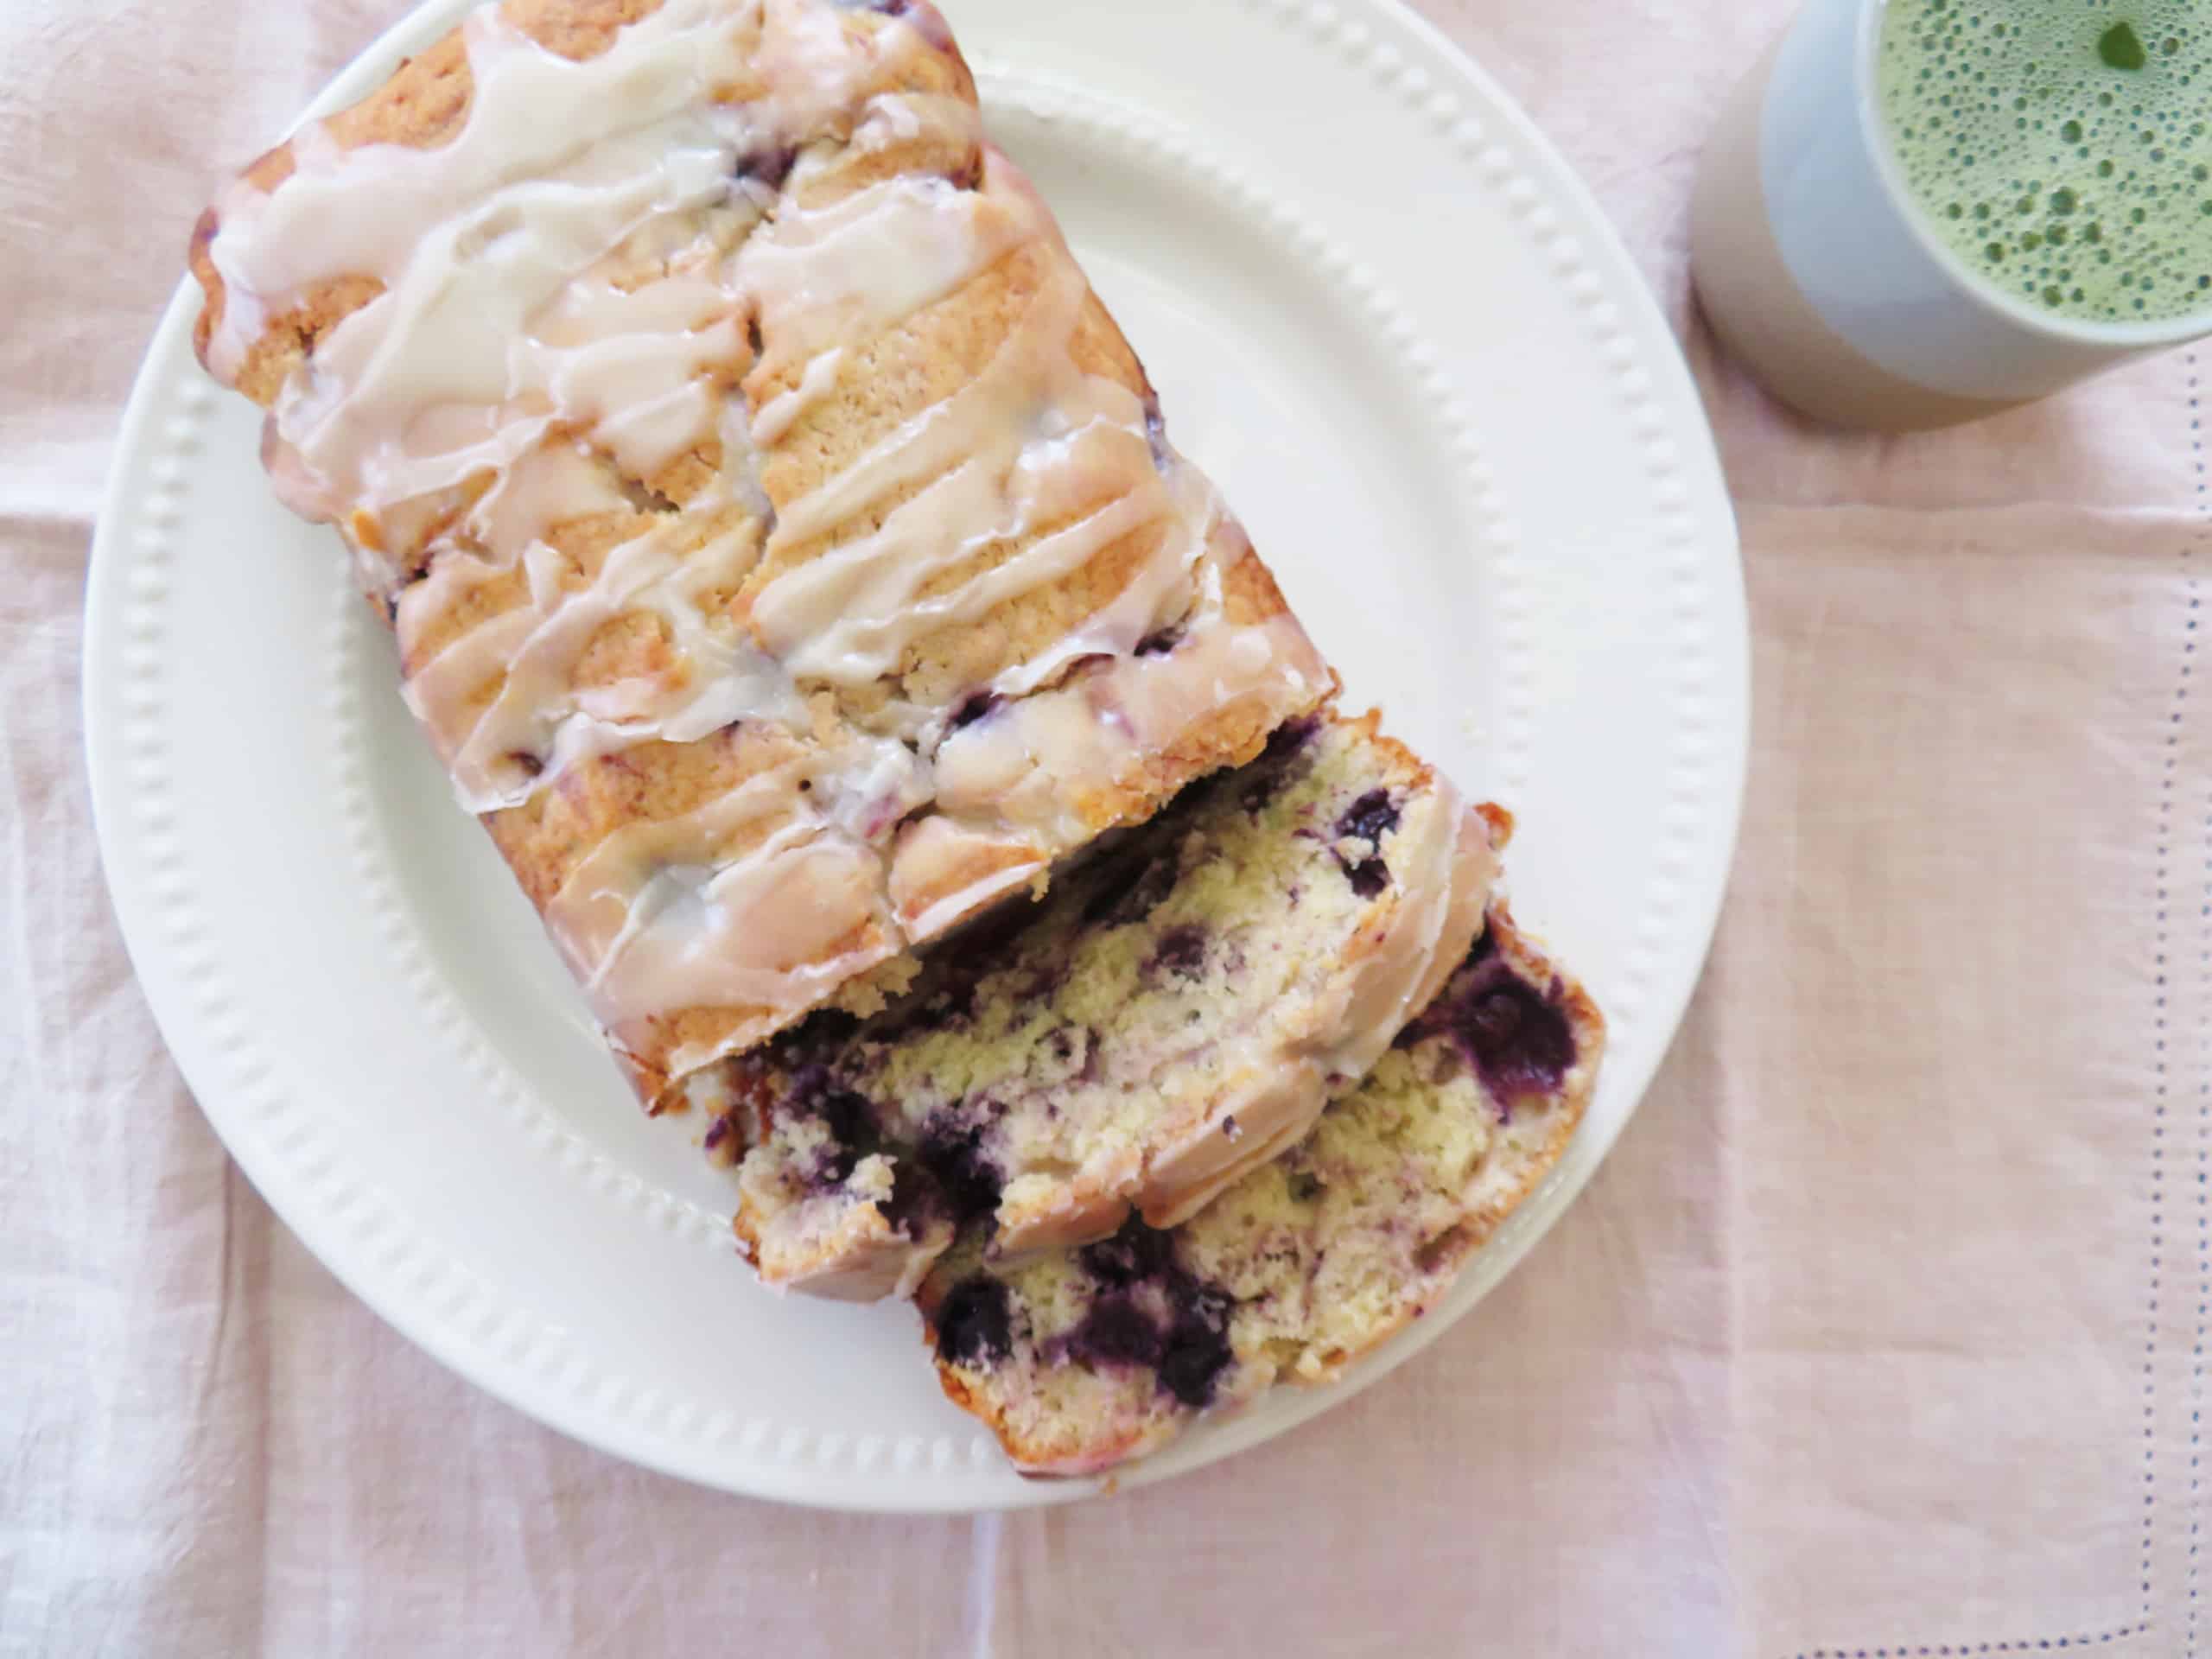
1173, 1014
1085, 1358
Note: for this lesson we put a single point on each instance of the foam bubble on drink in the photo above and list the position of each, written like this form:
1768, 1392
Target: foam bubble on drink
2061, 147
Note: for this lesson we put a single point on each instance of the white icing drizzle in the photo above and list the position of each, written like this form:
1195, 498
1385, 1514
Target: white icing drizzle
538, 711
777, 414
938, 843
568, 292
1441, 869
848, 617
1030, 761
649, 934
826, 276
496, 317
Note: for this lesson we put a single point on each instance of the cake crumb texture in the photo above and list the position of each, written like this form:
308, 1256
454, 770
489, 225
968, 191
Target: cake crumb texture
1086, 1358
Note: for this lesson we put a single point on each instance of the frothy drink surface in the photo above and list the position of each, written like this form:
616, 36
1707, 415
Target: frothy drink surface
2060, 147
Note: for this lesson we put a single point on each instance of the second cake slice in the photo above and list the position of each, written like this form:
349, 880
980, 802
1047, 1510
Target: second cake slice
1082, 1360
1177, 1013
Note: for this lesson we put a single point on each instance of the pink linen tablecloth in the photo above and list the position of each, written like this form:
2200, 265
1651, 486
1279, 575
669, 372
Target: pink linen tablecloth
1882, 1332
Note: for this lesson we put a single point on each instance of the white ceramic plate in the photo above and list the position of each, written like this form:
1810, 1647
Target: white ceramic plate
1380, 312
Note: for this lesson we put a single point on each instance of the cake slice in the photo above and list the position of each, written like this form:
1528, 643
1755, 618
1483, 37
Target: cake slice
1173, 1014
783, 544
1083, 1359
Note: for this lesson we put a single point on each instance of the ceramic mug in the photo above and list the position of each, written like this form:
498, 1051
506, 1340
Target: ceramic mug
1816, 266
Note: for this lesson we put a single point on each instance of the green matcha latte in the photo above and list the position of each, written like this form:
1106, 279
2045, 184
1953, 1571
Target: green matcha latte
2060, 147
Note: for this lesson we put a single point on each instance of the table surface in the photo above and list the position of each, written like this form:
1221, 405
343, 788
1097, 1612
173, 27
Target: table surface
1881, 1333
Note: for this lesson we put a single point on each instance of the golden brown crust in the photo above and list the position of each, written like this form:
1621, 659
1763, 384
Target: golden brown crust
1038, 1458
544, 840
915, 365
1231, 733
425, 102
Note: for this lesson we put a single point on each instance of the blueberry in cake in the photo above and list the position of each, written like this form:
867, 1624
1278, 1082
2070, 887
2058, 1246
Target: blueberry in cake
1173, 1014
784, 546
1085, 1359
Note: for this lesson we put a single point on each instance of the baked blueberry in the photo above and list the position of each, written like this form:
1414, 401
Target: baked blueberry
974, 1323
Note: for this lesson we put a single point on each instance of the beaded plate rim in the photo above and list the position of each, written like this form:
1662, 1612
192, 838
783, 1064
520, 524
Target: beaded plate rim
254, 1093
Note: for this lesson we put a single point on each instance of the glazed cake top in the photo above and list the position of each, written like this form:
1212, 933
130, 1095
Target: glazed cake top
783, 545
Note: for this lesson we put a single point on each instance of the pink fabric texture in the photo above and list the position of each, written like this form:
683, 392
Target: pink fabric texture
1881, 1332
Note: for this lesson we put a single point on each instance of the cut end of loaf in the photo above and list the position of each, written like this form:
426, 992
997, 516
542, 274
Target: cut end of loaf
1173, 1014
1085, 1359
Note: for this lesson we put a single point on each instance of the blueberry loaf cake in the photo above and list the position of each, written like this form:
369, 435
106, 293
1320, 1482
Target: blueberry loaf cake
784, 548
1173, 1014
1085, 1359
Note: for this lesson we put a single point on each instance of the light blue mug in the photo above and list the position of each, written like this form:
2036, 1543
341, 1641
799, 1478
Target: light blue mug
1818, 267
